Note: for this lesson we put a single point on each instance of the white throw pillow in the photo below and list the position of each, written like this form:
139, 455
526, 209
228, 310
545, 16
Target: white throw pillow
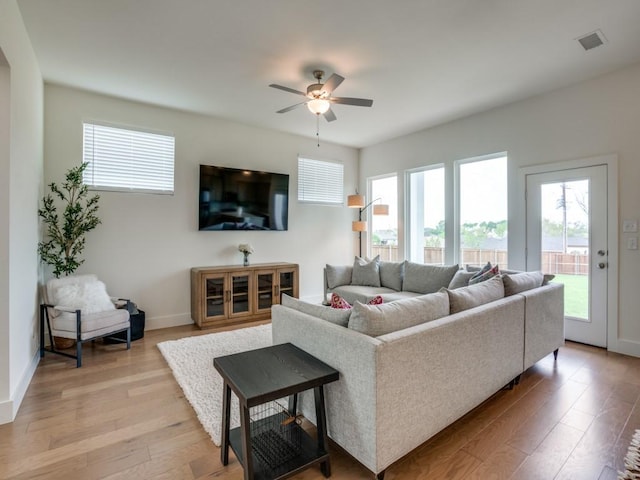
90, 297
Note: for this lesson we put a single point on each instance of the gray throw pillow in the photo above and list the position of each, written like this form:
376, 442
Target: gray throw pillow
474, 295
376, 320
338, 275
391, 274
521, 282
426, 278
366, 273
460, 279
333, 315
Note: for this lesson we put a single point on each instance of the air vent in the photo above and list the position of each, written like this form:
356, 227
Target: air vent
592, 40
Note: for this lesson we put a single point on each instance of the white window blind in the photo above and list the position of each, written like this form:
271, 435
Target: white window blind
320, 181
128, 160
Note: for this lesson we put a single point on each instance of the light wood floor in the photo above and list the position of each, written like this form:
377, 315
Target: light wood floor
122, 416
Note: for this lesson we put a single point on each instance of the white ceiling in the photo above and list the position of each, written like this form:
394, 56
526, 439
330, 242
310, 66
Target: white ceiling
424, 62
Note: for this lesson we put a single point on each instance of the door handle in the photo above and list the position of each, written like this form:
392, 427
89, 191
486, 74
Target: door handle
602, 265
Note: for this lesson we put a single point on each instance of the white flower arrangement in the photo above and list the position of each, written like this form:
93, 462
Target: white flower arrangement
245, 248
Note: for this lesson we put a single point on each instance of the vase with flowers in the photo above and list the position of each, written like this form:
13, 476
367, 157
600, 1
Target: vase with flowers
246, 250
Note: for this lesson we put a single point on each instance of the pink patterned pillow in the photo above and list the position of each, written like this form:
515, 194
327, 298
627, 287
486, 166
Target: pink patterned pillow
338, 302
377, 300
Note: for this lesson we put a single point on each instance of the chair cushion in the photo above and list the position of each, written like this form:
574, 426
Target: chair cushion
90, 322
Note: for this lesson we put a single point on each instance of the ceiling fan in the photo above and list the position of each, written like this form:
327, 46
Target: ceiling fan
319, 97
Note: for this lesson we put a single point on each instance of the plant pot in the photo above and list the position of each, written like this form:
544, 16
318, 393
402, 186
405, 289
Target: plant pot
62, 343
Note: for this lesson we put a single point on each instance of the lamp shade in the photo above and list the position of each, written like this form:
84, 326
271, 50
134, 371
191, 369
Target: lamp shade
318, 105
355, 201
381, 209
359, 226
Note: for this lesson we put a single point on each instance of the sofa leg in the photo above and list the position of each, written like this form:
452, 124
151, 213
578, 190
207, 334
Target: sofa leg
517, 380
380, 476
555, 354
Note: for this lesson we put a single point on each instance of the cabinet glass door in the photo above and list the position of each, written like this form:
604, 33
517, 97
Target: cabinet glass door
287, 284
265, 289
240, 298
214, 294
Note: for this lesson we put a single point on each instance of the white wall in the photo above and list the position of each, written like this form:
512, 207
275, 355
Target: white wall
600, 116
21, 102
147, 243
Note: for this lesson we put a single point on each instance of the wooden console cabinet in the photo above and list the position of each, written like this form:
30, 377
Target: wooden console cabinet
233, 293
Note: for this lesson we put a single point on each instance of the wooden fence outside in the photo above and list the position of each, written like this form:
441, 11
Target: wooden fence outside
552, 262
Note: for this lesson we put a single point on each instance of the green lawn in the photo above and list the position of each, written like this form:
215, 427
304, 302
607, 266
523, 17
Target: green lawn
576, 294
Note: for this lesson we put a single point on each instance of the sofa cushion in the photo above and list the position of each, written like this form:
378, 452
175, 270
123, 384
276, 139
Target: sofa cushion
338, 275
366, 273
358, 293
427, 278
521, 282
391, 274
376, 320
339, 317
474, 295
460, 279
394, 296
483, 276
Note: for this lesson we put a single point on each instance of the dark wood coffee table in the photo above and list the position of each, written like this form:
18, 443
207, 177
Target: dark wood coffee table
273, 446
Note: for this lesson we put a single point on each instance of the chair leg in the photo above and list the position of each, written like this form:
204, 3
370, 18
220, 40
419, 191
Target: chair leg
129, 337
42, 307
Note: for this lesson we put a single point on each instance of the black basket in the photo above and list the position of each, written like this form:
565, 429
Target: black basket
137, 328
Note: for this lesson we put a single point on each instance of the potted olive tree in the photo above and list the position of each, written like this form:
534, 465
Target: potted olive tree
68, 212
65, 231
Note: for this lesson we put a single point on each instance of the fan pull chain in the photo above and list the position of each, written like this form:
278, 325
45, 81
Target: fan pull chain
318, 128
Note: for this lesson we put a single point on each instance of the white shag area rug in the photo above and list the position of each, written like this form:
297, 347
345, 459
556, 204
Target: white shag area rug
191, 360
632, 460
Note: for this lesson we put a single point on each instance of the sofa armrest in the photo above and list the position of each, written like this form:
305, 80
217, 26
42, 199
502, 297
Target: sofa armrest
351, 401
543, 322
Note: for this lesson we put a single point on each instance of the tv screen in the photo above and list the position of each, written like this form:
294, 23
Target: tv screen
236, 199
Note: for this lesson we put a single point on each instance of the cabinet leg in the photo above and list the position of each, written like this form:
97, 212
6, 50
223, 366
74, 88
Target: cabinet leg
226, 422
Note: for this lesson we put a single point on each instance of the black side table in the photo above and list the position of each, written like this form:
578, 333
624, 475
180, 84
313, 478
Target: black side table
261, 376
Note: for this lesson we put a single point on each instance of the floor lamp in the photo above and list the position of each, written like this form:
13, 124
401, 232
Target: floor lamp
359, 202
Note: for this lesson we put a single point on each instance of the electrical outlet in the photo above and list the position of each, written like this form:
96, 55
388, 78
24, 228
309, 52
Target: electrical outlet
629, 226
632, 243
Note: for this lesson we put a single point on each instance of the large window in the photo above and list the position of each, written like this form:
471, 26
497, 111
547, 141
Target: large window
320, 181
482, 226
127, 160
426, 213
384, 228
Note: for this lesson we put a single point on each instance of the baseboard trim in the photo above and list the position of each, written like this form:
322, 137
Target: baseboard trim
626, 347
9, 408
155, 323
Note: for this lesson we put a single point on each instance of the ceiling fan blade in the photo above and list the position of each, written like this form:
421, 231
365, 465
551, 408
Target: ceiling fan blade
358, 102
332, 83
329, 116
287, 89
288, 109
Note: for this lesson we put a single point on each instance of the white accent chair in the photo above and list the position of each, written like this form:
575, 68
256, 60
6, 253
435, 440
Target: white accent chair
78, 307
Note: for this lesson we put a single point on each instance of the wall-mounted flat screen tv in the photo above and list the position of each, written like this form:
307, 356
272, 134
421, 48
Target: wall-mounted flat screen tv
236, 199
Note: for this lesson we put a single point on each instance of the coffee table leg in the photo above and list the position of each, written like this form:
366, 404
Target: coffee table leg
246, 442
226, 422
293, 404
321, 426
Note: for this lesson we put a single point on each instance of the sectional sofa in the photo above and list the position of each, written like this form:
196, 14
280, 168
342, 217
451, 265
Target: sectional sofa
411, 367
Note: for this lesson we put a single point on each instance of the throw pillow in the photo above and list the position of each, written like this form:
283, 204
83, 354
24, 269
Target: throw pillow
521, 282
481, 277
339, 317
338, 275
421, 278
340, 303
391, 274
474, 295
547, 278
90, 297
366, 273
460, 279
376, 320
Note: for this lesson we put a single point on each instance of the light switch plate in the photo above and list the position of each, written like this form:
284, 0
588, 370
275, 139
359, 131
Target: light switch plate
630, 226
632, 243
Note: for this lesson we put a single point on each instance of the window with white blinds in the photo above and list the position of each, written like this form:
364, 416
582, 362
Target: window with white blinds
320, 181
128, 160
